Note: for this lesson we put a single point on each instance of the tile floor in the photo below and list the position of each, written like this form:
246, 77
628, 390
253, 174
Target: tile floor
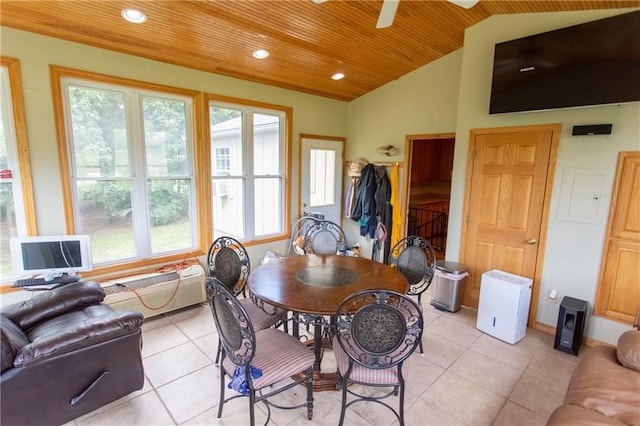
465, 377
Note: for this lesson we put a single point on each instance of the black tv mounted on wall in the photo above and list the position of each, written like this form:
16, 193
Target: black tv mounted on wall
595, 63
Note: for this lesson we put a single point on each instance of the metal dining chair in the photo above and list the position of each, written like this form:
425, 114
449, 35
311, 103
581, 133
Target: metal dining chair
254, 359
416, 260
324, 237
375, 332
228, 262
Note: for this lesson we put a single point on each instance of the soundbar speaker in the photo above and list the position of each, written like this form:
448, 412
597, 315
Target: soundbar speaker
592, 129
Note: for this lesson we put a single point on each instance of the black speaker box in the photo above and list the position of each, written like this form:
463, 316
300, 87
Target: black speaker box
570, 325
592, 129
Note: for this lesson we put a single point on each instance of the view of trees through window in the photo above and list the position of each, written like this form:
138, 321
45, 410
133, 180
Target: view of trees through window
133, 171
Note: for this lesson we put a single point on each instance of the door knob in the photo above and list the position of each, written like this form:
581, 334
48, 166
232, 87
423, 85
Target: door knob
531, 241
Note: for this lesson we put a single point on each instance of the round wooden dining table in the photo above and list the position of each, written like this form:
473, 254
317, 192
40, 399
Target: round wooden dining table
315, 285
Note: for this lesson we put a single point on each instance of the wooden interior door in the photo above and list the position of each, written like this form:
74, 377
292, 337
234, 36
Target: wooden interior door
506, 203
618, 295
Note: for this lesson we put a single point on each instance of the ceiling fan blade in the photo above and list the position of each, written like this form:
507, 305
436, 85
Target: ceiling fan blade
467, 4
387, 13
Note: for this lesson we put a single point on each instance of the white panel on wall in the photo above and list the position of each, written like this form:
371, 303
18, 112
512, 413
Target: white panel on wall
585, 195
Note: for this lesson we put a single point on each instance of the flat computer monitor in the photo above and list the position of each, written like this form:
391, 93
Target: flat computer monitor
56, 254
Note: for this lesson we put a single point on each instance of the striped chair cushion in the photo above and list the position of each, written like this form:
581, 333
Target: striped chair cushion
279, 355
259, 318
361, 374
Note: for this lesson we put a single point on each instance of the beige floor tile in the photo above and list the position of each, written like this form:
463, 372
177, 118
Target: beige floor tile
513, 414
551, 368
517, 356
205, 393
162, 338
486, 372
183, 384
462, 401
455, 331
441, 351
422, 412
422, 373
174, 363
144, 410
208, 344
196, 322
235, 413
154, 322
537, 395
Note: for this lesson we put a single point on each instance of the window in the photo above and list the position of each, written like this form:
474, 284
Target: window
249, 149
17, 215
223, 161
130, 150
322, 177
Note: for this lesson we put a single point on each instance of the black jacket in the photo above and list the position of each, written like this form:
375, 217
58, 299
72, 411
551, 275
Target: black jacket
364, 210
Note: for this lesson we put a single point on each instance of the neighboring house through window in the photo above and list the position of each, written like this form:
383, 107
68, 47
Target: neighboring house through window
248, 168
17, 213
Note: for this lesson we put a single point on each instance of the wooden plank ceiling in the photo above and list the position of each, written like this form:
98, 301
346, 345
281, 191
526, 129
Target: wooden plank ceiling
307, 42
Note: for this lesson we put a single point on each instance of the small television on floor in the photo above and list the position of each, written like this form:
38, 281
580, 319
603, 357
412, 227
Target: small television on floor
58, 254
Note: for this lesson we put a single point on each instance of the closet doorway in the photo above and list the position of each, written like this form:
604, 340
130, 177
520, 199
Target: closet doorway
429, 187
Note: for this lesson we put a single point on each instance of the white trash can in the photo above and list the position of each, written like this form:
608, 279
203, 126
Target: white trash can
448, 285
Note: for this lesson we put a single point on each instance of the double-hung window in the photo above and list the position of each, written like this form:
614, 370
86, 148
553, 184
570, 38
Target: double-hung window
130, 154
17, 215
248, 168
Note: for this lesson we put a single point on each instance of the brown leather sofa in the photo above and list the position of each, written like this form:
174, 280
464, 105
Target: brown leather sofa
605, 386
64, 354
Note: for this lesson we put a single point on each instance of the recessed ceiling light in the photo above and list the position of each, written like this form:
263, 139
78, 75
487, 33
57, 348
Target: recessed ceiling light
260, 53
134, 16
338, 76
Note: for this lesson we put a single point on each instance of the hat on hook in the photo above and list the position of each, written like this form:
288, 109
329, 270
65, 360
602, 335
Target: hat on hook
356, 166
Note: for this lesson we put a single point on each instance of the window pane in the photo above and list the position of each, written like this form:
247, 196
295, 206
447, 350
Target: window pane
165, 137
170, 215
267, 206
105, 215
228, 209
12, 214
99, 132
322, 177
226, 141
8, 226
266, 144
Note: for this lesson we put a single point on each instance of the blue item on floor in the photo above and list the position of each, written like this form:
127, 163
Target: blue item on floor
238, 381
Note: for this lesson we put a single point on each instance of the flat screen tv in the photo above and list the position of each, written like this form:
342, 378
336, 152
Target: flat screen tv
595, 63
57, 254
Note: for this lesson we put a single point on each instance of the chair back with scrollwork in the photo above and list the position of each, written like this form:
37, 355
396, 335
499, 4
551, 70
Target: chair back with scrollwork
232, 322
376, 331
324, 237
378, 328
416, 260
228, 262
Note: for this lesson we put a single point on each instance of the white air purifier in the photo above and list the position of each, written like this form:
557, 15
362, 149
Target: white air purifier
503, 308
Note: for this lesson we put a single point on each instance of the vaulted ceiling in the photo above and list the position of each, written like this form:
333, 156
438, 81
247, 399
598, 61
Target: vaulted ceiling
308, 42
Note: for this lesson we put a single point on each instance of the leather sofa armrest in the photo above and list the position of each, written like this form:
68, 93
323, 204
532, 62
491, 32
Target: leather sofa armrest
79, 335
51, 303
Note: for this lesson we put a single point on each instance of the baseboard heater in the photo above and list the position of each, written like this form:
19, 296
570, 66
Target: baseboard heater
153, 294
